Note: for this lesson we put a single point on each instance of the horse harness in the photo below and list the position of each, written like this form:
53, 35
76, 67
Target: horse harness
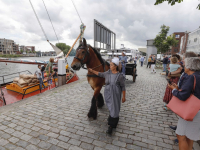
82, 64
81, 60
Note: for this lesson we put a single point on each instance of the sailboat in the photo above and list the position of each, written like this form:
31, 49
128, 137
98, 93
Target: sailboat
12, 91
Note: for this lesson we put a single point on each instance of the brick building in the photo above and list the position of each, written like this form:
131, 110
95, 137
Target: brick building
27, 48
184, 41
176, 49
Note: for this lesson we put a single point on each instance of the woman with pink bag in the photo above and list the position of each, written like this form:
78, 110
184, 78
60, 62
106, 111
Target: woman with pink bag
188, 131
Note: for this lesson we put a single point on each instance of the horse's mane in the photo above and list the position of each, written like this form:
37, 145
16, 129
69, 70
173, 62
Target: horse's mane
99, 56
96, 52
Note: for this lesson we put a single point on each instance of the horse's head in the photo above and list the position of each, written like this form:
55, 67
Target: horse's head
81, 56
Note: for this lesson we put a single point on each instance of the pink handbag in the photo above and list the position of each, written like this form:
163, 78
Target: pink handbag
185, 109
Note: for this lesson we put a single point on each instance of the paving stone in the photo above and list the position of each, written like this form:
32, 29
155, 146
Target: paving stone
51, 134
86, 139
164, 145
10, 146
17, 134
55, 148
44, 145
35, 128
3, 142
111, 147
26, 137
6, 136
152, 142
43, 137
99, 143
34, 141
125, 140
31, 147
75, 136
19, 148
63, 145
13, 140
86, 146
133, 147
23, 144
65, 133
26, 131
53, 141
9, 130
140, 144
98, 148
75, 148
74, 142
118, 143
34, 134
63, 138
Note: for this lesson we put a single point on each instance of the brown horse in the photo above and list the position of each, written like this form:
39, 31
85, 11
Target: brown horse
85, 54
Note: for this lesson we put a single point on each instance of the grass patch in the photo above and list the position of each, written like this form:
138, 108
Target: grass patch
10, 55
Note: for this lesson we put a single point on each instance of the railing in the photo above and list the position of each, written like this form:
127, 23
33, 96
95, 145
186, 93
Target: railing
31, 87
3, 78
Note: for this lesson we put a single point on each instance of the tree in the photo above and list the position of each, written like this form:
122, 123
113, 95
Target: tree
172, 2
63, 47
73, 52
163, 42
21, 51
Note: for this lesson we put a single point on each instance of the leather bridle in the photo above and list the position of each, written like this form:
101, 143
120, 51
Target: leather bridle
82, 60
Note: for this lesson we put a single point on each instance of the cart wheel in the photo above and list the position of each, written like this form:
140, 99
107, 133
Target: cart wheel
134, 74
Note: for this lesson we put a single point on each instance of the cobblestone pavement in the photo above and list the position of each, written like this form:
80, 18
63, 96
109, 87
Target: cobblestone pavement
57, 119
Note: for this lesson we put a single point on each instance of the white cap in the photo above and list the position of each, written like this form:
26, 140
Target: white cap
124, 53
115, 60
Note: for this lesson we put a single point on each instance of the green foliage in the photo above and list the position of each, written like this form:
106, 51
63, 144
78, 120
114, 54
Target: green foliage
21, 51
10, 55
73, 52
172, 2
63, 47
163, 42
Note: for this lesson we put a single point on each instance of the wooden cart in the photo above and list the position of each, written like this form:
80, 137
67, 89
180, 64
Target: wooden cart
131, 70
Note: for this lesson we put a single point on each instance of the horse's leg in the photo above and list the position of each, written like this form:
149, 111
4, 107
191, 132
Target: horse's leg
93, 109
100, 101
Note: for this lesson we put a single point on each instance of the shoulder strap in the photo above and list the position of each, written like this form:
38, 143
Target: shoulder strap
194, 83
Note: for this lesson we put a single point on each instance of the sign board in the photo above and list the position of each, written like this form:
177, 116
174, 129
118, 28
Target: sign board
104, 38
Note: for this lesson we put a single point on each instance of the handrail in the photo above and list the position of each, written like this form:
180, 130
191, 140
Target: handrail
3, 76
16, 73
31, 87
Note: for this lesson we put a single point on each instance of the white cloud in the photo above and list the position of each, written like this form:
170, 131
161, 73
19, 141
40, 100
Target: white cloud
133, 21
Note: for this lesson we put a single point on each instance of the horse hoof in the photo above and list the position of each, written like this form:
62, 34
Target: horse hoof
90, 116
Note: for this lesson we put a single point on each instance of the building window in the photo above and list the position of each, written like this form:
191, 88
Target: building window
175, 50
195, 39
177, 36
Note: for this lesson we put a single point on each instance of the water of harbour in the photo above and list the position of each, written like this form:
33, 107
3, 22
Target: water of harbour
10, 68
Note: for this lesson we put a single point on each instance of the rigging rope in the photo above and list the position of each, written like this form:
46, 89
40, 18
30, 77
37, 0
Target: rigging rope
38, 20
76, 10
50, 20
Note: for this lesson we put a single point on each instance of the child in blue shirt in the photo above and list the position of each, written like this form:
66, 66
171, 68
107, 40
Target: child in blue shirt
174, 66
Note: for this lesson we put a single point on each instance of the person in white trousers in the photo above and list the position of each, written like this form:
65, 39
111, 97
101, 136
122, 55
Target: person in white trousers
153, 63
